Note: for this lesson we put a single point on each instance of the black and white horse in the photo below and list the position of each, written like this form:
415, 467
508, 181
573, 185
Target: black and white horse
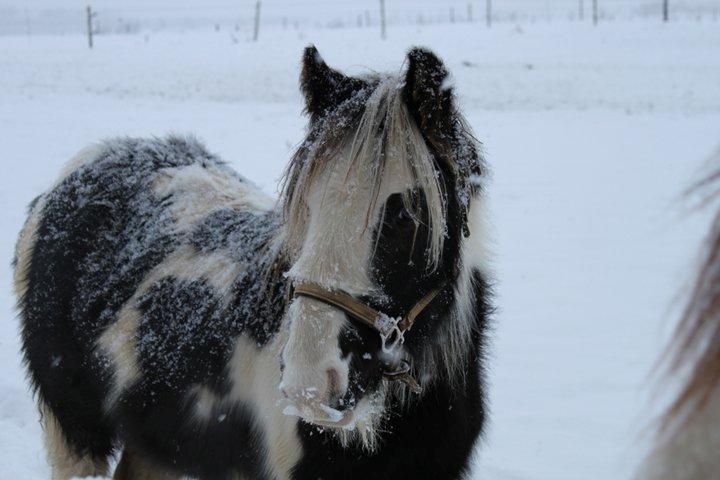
155, 291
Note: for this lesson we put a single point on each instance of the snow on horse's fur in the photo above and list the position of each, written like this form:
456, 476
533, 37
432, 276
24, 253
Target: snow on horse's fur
153, 283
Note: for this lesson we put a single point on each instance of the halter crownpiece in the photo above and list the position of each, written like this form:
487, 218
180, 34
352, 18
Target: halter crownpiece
390, 329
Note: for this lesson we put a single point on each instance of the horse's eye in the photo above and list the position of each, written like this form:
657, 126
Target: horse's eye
404, 215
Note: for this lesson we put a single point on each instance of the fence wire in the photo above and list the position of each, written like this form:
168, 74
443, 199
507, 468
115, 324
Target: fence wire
133, 16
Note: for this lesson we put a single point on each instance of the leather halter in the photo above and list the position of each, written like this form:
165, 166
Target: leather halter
391, 330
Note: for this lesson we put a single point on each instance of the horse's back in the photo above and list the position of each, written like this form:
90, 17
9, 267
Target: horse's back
121, 211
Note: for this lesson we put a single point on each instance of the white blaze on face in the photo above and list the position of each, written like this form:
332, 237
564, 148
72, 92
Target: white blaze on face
313, 363
336, 254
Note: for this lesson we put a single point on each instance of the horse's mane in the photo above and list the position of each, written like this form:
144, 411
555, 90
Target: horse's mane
371, 124
695, 348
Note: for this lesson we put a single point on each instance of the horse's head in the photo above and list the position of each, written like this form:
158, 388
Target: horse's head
376, 201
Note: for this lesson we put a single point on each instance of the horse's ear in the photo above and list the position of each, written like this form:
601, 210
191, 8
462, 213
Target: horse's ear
322, 86
428, 95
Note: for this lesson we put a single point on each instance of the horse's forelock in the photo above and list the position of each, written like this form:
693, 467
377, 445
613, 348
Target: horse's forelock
371, 125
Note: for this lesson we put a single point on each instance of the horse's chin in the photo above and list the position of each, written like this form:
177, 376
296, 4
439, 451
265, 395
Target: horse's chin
346, 421
322, 415
360, 417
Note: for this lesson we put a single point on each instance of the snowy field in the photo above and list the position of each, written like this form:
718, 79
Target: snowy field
592, 134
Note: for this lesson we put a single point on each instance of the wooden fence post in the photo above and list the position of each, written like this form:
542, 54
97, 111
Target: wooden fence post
383, 31
90, 16
595, 12
256, 33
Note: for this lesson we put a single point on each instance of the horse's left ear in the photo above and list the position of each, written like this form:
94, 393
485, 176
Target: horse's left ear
322, 86
428, 93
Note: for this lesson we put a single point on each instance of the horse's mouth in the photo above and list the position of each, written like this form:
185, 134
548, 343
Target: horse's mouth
346, 421
322, 415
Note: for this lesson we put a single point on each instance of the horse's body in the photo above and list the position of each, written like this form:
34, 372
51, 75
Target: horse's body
153, 287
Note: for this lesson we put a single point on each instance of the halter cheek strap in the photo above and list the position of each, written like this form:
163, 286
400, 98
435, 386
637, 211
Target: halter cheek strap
391, 330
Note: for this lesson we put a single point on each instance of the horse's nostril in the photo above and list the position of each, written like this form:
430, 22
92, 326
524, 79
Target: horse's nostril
334, 393
333, 381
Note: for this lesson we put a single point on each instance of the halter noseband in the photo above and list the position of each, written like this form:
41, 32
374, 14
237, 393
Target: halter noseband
391, 329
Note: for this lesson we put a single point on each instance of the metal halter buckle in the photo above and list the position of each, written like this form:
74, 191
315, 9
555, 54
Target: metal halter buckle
390, 333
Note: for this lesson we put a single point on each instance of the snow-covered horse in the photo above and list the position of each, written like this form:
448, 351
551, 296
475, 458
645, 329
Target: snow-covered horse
687, 446
171, 310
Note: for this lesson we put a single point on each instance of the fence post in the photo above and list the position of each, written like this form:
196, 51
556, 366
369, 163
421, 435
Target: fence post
90, 15
666, 10
383, 32
581, 10
28, 28
595, 12
256, 33
488, 13
469, 12
452, 14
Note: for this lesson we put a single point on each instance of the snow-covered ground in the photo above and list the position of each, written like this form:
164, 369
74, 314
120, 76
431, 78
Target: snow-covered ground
592, 134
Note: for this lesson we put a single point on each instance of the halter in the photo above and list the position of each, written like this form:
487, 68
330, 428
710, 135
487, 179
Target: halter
391, 329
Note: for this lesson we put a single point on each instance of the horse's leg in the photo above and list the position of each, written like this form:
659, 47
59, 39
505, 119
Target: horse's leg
132, 467
65, 462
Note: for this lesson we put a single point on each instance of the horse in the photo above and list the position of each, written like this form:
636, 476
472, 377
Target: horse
687, 438
177, 316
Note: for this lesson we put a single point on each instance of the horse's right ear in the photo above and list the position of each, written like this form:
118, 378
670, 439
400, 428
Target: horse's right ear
322, 86
428, 93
